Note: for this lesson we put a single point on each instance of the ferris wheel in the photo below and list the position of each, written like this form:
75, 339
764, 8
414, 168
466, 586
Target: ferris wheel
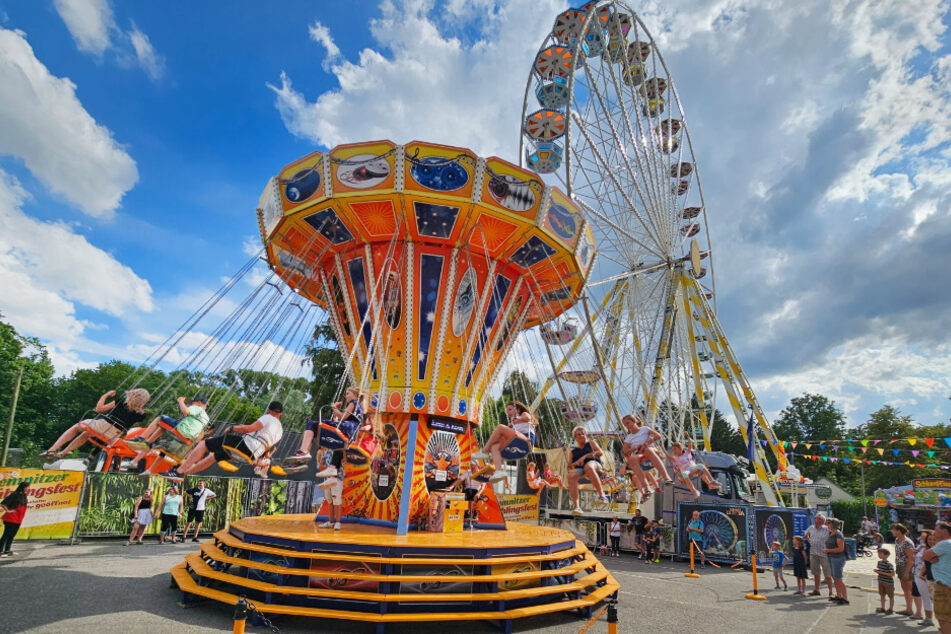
602, 116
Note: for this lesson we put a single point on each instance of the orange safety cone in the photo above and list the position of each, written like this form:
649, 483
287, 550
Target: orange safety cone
692, 573
755, 595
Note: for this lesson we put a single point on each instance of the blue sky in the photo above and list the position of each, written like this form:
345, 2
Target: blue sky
135, 139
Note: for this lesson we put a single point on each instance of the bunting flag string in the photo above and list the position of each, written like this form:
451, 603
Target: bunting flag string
833, 445
875, 463
836, 442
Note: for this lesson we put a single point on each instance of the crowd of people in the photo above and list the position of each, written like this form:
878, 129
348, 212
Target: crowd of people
170, 510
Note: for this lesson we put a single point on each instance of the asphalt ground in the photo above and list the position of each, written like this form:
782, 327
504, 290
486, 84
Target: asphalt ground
103, 586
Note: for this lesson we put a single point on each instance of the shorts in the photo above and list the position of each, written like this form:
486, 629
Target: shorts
336, 493
942, 602
168, 420
692, 473
837, 564
900, 571
194, 515
169, 523
886, 589
596, 463
171, 445
104, 428
144, 517
470, 494
819, 564
216, 446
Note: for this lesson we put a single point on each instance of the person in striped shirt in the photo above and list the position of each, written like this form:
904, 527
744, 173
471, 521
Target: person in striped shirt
886, 581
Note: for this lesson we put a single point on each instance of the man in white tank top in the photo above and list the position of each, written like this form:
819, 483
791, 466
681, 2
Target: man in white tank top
251, 440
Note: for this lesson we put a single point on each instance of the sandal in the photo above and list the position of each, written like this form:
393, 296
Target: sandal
879, 609
887, 612
904, 612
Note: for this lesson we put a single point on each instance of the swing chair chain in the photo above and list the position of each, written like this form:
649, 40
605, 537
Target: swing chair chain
264, 620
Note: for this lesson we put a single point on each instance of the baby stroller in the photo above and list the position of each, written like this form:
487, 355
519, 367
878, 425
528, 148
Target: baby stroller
864, 545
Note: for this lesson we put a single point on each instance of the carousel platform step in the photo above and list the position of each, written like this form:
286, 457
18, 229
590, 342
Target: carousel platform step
189, 586
230, 540
201, 568
589, 561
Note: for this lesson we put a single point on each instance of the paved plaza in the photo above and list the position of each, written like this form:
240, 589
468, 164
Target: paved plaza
104, 586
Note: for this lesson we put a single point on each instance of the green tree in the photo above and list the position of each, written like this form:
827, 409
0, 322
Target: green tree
724, 435
815, 417
810, 416
31, 424
888, 423
327, 368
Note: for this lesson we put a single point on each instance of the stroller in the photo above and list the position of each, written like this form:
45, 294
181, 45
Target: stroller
864, 545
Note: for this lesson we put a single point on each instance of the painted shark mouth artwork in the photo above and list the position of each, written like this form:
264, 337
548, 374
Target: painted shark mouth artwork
511, 192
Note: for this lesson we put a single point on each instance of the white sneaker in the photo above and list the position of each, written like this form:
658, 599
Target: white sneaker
337, 526
328, 483
481, 455
577, 511
327, 473
324, 525
498, 476
261, 470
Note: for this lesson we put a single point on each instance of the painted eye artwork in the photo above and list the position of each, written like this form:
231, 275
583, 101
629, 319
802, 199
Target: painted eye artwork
511, 192
363, 171
302, 185
439, 174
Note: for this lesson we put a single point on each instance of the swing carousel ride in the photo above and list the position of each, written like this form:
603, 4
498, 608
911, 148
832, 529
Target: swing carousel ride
439, 271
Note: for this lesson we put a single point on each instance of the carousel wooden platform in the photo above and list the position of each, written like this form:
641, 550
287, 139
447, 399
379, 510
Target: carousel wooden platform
284, 564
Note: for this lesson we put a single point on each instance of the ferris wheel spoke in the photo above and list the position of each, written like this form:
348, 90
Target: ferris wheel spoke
611, 176
620, 142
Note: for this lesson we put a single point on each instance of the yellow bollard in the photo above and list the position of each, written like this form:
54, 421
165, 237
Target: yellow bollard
240, 615
691, 573
755, 595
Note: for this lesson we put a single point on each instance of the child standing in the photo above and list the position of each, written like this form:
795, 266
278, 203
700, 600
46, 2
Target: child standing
779, 560
886, 581
800, 565
333, 489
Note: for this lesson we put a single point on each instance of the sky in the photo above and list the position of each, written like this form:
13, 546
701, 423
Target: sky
136, 138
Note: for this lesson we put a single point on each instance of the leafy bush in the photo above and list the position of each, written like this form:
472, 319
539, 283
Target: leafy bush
851, 512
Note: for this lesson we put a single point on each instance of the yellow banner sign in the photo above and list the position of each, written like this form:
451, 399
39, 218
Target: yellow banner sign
519, 508
53, 500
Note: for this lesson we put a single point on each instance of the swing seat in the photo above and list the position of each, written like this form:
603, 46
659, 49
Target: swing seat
587, 480
361, 452
329, 437
235, 456
97, 438
516, 449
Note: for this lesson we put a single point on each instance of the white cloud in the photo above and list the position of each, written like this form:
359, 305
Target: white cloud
151, 62
43, 123
89, 22
94, 29
420, 83
46, 269
872, 369
321, 34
